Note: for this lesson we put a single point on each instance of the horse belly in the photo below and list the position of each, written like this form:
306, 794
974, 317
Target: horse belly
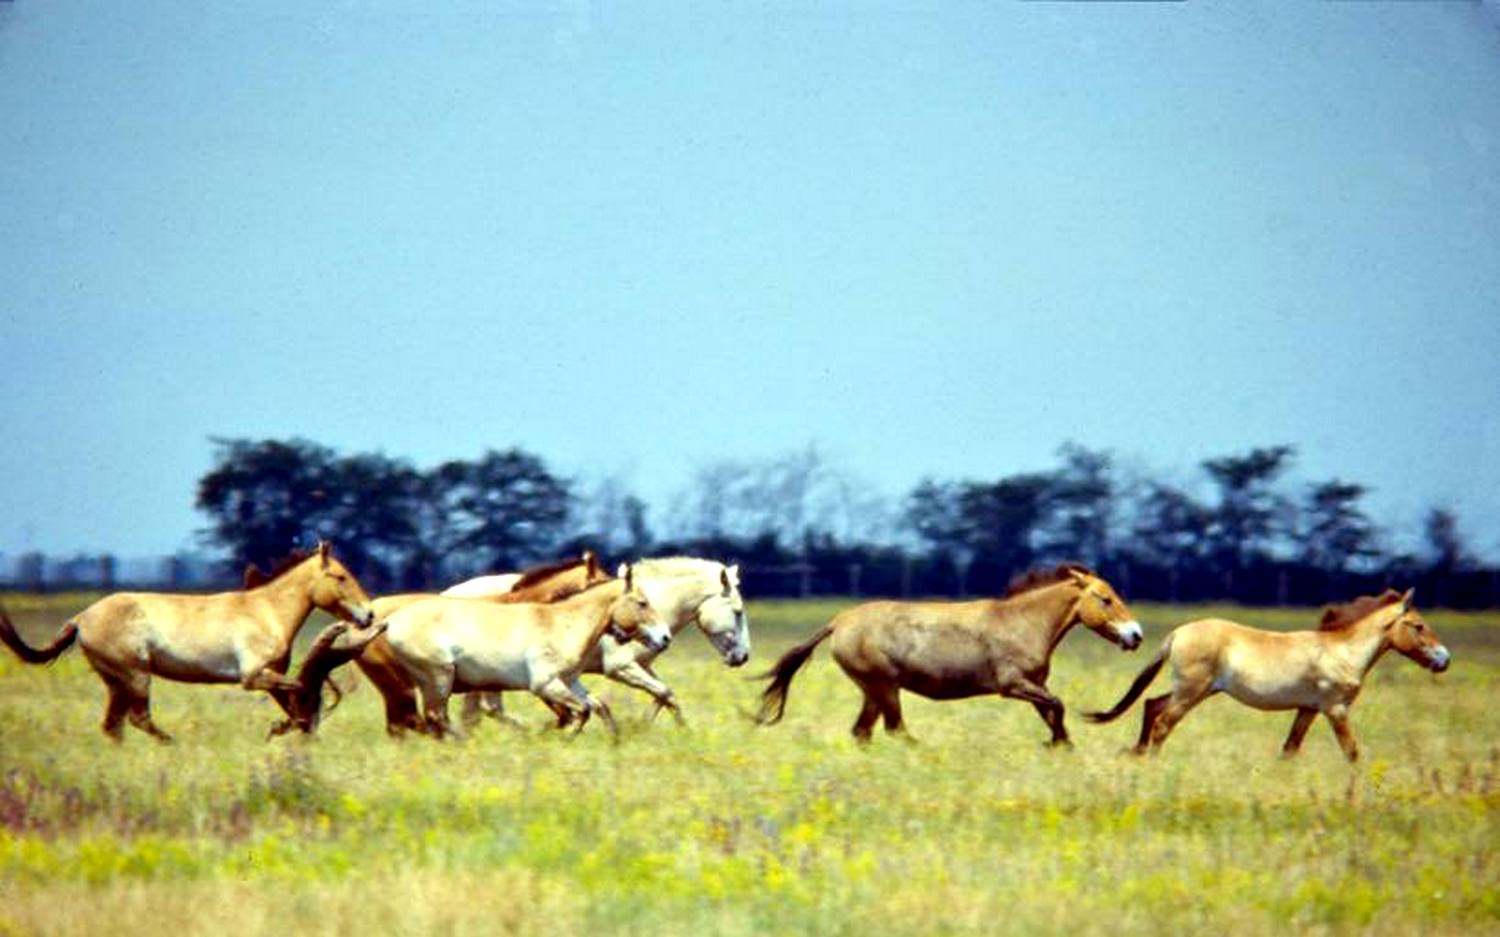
490, 672
1268, 690
212, 664
945, 685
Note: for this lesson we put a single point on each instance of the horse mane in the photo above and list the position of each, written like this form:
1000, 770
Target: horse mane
679, 566
1342, 617
536, 574
1037, 578
255, 578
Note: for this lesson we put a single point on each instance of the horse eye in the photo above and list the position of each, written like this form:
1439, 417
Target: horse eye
1108, 600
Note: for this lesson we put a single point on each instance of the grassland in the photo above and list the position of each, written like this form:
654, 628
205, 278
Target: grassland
728, 829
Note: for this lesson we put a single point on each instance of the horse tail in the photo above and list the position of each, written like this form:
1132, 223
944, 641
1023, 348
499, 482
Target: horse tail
34, 655
1142, 680
773, 700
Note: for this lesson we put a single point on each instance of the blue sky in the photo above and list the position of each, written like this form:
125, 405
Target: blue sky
935, 239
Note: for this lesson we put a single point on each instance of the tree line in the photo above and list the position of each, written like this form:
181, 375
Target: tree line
1236, 530
798, 526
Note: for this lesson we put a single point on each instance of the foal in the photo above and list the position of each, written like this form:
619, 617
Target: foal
1309, 671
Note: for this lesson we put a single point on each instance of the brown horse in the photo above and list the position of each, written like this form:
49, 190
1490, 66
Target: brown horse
952, 650
1309, 671
229, 637
547, 583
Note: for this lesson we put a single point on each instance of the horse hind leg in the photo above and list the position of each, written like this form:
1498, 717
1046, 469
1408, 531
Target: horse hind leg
140, 717
115, 709
1149, 714
1172, 712
864, 724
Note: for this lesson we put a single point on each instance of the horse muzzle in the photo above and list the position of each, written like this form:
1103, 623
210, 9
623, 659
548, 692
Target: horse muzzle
1439, 659
362, 615
737, 657
1131, 636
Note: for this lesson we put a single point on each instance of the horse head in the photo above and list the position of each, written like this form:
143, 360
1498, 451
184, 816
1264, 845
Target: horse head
721, 617
632, 617
1414, 638
335, 590
1100, 609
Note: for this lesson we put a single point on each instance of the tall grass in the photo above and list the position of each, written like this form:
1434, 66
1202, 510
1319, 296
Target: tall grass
728, 828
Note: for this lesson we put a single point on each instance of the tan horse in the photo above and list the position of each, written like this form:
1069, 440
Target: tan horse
952, 650
547, 583
686, 591
453, 645
229, 637
1309, 671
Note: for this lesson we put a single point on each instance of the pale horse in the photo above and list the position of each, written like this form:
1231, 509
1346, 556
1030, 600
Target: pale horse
686, 591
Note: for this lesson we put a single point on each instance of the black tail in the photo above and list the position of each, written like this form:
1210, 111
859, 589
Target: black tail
32, 655
1142, 680
773, 700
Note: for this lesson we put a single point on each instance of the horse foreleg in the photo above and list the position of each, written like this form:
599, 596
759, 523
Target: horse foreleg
595, 704
638, 675
560, 699
1300, 724
1049, 707
264, 678
115, 710
1338, 717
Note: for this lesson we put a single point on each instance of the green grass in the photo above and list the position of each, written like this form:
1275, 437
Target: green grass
726, 828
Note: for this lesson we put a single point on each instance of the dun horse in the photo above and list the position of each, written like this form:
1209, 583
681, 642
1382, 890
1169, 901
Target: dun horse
952, 650
449, 645
686, 591
547, 583
230, 637
1309, 671
304, 705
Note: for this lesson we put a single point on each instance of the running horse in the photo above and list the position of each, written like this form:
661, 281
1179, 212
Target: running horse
228, 637
449, 645
1310, 671
548, 583
953, 650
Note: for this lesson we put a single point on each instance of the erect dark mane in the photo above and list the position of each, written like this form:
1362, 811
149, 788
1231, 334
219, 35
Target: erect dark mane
282, 565
536, 574
1339, 617
1037, 578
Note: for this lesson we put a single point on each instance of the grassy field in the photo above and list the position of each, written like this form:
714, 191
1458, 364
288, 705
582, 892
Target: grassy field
728, 829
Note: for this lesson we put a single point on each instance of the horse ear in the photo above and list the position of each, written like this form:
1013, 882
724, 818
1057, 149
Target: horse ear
622, 570
1077, 575
1406, 600
627, 573
734, 572
590, 563
724, 579
323, 547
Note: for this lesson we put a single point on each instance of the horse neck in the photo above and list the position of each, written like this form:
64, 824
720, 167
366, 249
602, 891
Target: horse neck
290, 598
678, 599
1048, 610
1363, 643
583, 631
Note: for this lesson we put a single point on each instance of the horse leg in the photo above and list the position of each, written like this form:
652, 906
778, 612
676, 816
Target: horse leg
560, 699
595, 704
638, 675
115, 709
1049, 707
1172, 712
1338, 717
868, 714
1148, 719
139, 712
1300, 724
436, 686
265, 678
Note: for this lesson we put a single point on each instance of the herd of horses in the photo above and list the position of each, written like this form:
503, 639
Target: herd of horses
542, 629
